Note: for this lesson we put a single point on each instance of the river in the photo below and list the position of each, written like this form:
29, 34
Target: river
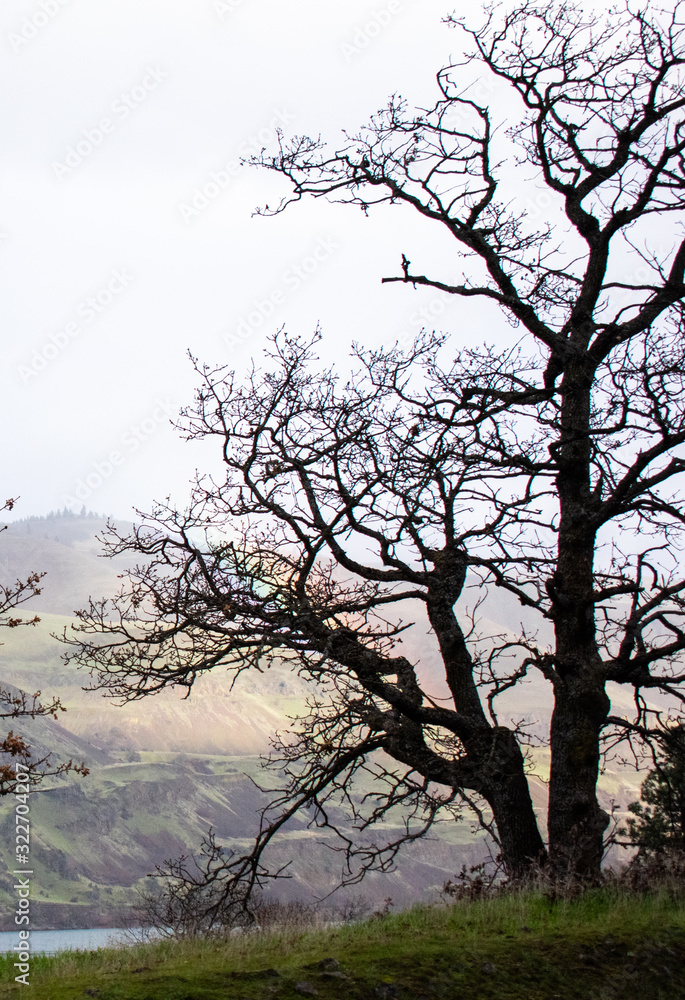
48, 942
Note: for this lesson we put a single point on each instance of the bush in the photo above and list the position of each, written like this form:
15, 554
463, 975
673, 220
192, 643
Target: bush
657, 826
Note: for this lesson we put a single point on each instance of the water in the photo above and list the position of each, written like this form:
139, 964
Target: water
48, 942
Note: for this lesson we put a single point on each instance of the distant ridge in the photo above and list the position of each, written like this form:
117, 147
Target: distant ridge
54, 515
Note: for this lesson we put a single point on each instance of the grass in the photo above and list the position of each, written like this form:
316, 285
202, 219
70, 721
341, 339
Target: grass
603, 946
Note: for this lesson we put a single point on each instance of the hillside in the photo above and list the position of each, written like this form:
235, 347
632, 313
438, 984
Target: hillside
165, 769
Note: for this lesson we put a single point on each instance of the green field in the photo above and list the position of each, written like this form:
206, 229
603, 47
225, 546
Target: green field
520, 947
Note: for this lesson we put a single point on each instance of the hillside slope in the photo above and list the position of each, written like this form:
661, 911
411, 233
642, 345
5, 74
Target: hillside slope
165, 769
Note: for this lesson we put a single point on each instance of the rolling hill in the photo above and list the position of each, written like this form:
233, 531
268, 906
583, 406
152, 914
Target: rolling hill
165, 769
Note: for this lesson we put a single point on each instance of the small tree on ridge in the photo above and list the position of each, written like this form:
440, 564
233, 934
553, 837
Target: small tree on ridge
15, 752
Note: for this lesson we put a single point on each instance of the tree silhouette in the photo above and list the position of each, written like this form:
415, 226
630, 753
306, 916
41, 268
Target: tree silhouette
548, 468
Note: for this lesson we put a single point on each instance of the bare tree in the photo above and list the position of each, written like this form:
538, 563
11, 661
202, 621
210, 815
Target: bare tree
190, 900
15, 752
548, 469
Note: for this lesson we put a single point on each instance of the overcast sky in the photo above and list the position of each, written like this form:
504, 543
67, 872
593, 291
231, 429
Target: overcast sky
126, 241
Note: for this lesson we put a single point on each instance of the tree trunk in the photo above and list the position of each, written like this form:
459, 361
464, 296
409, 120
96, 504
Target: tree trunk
512, 807
576, 822
493, 751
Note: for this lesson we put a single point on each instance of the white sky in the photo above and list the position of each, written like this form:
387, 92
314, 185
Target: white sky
184, 84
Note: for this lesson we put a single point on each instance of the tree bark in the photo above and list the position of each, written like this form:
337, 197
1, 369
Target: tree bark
576, 822
512, 807
493, 751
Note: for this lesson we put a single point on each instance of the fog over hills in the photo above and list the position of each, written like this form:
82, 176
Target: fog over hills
165, 769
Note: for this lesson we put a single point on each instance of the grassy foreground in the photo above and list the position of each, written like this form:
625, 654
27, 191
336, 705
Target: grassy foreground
601, 946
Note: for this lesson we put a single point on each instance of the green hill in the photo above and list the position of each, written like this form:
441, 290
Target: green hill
603, 946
